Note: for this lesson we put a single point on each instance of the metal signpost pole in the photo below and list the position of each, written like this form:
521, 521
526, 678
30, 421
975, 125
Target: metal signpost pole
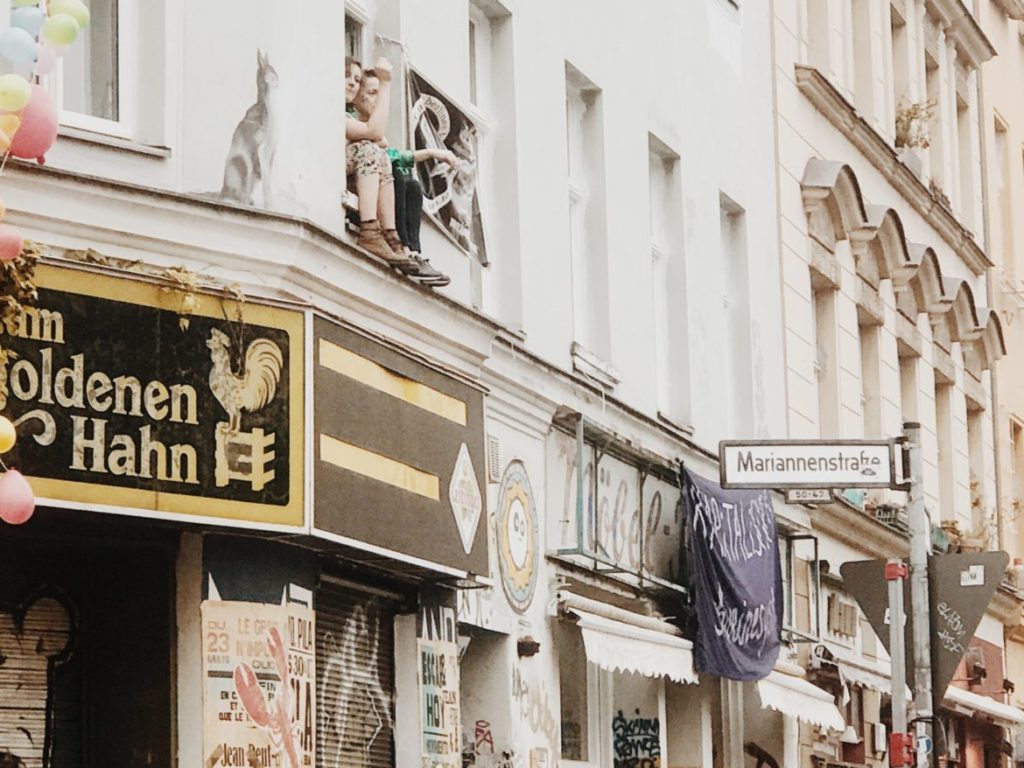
900, 743
920, 545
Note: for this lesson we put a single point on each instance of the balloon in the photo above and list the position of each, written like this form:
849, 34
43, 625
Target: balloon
9, 125
15, 92
8, 435
18, 46
17, 501
60, 29
11, 242
48, 55
23, 3
38, 128
76, 9
29, 19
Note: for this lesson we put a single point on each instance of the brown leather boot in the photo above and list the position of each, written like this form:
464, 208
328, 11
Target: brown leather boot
372, 240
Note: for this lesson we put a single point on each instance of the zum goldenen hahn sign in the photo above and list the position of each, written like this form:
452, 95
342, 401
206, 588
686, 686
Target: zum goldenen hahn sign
117, 405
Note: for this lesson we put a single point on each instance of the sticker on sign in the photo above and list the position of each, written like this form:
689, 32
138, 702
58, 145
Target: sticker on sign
809, 495
807, 464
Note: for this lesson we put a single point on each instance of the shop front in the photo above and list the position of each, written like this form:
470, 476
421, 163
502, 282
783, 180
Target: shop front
140, 415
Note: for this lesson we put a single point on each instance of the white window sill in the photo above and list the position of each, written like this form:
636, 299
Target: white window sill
114, 142
593, 367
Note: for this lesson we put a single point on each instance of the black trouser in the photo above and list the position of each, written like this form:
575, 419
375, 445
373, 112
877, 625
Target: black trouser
408, 209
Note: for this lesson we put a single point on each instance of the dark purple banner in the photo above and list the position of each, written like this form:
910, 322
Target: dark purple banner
735, 577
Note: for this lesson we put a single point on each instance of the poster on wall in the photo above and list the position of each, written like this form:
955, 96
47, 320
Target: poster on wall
259, 685
733, 548
450, 194
438, 677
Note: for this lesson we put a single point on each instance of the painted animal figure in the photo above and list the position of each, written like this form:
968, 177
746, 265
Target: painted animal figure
254, 387
251, 155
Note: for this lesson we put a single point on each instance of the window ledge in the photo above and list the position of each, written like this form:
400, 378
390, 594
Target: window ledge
590, 365
844, 116
114, 142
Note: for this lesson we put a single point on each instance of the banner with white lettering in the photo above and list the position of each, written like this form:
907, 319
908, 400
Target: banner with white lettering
733, 550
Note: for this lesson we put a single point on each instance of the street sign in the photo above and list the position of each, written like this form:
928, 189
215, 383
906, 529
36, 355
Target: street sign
960, 588
809, 495
808, 464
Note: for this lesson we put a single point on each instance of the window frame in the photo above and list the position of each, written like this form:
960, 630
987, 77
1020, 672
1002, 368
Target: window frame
124, 126
790, 632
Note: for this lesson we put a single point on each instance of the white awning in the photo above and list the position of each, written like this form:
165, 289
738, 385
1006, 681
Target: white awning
875, 675
621, 647
974, 704
795, 696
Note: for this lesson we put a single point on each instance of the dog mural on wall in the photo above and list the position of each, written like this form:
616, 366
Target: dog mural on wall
251, 154
36, 638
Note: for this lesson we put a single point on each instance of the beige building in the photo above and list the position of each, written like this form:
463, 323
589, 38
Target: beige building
1002, 121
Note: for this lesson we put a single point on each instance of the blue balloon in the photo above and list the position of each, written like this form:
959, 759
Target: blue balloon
18, 46
29, 18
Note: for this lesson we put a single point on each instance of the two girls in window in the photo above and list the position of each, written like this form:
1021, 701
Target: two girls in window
384, 182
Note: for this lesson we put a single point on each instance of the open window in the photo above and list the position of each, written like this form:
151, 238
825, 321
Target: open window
801, 585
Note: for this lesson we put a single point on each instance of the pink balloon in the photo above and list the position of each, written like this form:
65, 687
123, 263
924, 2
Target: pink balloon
47, 60
17, 501
11, 242
38, 128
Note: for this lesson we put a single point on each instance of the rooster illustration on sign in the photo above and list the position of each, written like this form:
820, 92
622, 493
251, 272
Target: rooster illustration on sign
257, 384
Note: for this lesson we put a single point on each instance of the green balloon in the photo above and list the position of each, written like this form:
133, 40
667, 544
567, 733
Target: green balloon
23, 3
61, 29
76, 9
15, 92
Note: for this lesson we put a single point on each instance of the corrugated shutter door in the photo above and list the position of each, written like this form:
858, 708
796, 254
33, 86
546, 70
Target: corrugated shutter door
355, 679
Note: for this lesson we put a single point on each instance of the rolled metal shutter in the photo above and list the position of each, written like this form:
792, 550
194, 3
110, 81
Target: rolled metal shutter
355, 678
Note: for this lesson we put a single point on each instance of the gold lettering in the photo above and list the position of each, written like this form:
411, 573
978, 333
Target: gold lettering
186, 393
155, 397
76, 376
81, 444
97, 391
41, 325
179, 453
123, 384
46, 395
122, 456
150, 450
24, 380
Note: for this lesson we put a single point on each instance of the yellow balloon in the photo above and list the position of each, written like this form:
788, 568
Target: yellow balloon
10, 124
8, 435
15, 92
73, 8
60, 29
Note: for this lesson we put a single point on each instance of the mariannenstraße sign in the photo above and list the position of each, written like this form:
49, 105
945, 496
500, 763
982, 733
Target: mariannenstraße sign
807, 463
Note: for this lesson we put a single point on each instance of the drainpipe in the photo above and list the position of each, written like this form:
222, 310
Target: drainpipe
991, 288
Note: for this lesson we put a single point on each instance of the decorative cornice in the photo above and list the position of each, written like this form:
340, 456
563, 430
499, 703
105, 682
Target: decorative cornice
1012, 8
834, 106
859, 531
968, 36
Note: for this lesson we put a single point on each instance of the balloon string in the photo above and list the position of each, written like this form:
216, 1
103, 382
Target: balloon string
3, 465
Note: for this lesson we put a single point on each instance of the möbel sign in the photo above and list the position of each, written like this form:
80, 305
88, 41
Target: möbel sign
807, 464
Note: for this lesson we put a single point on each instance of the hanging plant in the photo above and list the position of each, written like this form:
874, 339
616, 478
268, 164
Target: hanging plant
17, 291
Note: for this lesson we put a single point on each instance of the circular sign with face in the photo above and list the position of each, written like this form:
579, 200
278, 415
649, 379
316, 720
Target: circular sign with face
518, 532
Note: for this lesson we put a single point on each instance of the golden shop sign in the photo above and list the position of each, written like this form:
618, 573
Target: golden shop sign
118, 403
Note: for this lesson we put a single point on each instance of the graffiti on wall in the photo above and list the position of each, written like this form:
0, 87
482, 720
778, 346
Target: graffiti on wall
636, 741
36, 638
356, 708
535, 707
630, 519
